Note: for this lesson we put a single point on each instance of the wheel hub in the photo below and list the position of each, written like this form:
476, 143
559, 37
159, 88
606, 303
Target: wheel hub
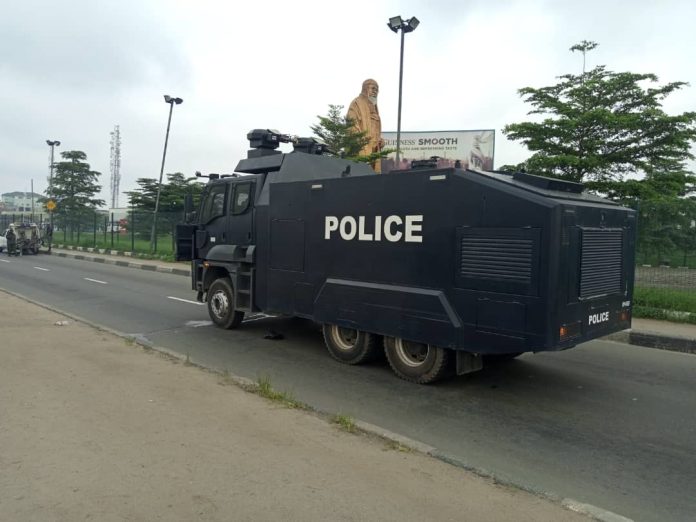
412, 354
344, 338
219, 304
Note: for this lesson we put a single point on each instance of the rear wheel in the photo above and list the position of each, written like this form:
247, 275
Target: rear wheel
417, 362
350, 346
221, 305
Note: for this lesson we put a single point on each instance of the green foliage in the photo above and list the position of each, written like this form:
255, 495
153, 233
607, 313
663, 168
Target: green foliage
74, 189
171, 205
601, 126
337, 131
339, 134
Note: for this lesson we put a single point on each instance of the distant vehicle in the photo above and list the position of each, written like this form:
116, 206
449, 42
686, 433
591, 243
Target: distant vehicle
3, 243
28, 235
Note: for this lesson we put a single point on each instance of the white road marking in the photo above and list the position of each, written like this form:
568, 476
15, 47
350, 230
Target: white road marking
198, 324
95, 281
256, 317
43, 269
4, 260
185, 300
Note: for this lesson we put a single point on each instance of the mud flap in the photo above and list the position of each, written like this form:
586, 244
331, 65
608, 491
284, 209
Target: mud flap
468, 362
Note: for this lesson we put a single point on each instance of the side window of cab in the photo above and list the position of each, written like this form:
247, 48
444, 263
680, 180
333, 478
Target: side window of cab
214, 203
242, 198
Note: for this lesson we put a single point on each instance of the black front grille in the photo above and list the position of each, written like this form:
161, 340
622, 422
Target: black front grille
601, 262
499, 258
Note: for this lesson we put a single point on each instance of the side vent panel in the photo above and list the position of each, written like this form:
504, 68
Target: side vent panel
504, 260
601, 262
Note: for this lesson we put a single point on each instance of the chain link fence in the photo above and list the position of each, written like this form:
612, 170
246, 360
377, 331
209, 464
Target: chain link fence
127, 231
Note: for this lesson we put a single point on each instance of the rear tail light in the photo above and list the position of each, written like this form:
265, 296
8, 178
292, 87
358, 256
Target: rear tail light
569, 331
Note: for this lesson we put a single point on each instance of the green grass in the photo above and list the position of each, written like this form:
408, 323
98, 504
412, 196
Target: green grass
665, 303
141, 247
265, 389
345, 422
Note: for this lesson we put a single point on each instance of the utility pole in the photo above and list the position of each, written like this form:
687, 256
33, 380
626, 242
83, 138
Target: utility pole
51, 204
171, 101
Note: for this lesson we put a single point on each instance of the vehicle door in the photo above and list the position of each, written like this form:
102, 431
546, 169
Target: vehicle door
241, 215
213, 218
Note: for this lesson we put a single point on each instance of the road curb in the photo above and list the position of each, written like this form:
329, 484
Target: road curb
655, 340
120, 262
246, 384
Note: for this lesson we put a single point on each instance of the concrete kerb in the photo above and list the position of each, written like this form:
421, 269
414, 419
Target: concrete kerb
248, 385
117, 262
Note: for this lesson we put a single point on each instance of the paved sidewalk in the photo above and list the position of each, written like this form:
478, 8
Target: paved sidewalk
94, 428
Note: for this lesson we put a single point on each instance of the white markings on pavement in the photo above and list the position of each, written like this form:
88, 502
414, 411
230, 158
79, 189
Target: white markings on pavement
185, 300
198, 324
43, 269
95, 281
5, 260
256, 317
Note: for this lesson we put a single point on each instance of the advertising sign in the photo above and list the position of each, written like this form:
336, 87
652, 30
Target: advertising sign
464, 149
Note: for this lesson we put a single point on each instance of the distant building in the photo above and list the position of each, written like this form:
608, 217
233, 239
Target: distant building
20, 201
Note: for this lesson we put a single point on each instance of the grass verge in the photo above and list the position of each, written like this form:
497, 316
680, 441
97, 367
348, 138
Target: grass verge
667, 304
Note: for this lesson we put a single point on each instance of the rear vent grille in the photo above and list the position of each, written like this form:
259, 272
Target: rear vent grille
498, 258
601, 262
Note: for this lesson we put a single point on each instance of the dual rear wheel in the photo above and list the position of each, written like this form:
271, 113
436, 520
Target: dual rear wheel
414, 362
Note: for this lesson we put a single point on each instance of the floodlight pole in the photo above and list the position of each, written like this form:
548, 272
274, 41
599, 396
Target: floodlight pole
52, 144
398, 114
171, 101
397, 24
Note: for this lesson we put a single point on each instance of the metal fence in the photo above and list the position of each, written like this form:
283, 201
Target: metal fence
666, 277
130, 231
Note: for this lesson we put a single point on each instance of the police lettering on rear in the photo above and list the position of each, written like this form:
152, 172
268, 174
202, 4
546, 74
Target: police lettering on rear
407, 229
598, 318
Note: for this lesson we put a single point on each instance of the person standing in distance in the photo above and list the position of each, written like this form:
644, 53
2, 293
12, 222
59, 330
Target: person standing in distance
365, 116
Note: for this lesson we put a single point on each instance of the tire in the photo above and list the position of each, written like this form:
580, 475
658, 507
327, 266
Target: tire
417, 362
350, 346
221, 305
499, 358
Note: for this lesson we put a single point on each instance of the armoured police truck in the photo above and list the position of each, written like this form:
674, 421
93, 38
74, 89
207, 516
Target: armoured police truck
438, 268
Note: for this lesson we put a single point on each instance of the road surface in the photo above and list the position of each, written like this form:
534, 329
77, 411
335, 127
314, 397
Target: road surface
606, 423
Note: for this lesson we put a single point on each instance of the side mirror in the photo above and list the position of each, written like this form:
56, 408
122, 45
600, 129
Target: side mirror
188, 208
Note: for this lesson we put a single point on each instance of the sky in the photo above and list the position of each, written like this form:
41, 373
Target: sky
72, 70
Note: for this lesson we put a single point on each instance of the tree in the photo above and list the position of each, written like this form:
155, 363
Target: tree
601, 126
74, 189
171, 205
339, 134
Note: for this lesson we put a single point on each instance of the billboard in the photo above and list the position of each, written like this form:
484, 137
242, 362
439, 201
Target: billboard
465, 149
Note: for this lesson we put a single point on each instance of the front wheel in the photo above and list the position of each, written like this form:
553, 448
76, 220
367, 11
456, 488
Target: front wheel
417, 362
350, 346
221, 305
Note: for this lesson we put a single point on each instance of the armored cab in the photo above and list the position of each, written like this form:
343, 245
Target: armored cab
443, 266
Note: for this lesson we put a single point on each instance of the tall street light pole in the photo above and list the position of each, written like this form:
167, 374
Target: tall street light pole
171, 101
51, 204
397, 24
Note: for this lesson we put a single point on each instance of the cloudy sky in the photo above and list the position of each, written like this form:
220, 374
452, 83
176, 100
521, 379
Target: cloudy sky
72, 70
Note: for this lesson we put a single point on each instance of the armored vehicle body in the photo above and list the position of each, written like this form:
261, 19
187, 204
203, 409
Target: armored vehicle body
444, 267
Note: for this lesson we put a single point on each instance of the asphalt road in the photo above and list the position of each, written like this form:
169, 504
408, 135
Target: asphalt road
606, 423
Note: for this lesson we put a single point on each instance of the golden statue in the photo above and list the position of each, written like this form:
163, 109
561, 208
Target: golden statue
365, 116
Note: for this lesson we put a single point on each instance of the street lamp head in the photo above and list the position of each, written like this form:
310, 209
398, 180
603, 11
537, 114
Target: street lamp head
411, 23
52, 143
170, 100
395, 23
